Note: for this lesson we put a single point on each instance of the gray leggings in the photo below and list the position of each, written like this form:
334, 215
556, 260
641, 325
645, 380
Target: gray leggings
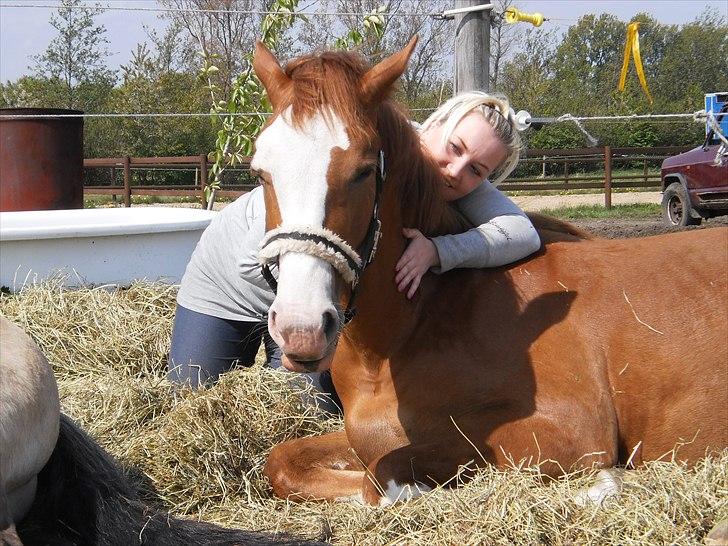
204, 347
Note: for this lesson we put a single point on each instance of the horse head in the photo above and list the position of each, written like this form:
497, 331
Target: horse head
319, 160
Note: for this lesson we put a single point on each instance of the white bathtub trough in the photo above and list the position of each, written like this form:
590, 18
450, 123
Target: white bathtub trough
98, 246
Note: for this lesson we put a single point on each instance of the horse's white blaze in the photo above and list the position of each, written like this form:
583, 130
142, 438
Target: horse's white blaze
298, 161
396, 492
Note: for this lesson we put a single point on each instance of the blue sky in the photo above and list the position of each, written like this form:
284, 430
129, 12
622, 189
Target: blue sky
26, 31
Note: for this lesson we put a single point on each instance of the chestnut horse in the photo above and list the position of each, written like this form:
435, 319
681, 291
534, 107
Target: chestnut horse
58, 486
587, 354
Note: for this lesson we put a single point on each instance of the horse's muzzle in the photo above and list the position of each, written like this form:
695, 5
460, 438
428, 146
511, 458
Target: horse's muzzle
308, 366
307, 345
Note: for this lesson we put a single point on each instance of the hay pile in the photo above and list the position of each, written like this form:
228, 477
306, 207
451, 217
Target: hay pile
200, 454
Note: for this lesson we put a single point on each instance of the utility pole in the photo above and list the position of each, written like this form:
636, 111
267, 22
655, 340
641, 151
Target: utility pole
472, 46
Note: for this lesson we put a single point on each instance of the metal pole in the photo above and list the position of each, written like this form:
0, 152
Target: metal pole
127, 181
607, 177
472, 48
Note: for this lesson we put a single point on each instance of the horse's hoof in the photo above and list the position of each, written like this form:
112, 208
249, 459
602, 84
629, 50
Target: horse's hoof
718, 535
608, 484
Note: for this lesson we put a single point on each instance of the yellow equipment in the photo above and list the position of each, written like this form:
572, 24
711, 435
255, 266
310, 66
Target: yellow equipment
513, 15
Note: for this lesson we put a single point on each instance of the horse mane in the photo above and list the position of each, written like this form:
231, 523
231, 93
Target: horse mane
552, 229
332, 79
419, 178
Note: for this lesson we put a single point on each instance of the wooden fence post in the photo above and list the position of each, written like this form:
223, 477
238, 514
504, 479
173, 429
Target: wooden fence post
608, 177
203, 178
472, 48
113, 183
127, 181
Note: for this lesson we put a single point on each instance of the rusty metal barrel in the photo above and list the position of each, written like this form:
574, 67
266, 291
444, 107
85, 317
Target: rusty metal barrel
41, 159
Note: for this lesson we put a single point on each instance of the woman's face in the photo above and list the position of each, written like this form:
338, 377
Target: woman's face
468, 157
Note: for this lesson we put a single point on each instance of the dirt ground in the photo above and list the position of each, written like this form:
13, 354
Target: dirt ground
632, 227
612, 227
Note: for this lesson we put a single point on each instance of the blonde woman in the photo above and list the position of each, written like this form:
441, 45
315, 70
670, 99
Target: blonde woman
474, 139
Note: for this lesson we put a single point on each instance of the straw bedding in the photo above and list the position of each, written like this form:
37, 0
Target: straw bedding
200, 454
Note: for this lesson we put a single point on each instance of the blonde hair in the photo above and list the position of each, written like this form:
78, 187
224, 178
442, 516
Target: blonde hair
495, 109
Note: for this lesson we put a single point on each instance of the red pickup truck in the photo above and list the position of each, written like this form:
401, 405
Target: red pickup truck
695, 185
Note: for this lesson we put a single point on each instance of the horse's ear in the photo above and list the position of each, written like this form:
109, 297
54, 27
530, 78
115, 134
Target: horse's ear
270, 73
375, 84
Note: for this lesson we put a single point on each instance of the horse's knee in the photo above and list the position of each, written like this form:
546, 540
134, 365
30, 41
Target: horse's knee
280, 469
390, 479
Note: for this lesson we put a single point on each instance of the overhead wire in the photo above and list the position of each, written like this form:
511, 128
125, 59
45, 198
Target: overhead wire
225, 11
696, 116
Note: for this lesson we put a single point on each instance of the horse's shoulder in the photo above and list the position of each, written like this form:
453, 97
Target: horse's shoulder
554, 230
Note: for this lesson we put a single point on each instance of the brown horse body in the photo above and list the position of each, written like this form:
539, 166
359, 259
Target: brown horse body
591, 352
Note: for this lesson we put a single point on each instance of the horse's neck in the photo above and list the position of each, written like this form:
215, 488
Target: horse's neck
384, 315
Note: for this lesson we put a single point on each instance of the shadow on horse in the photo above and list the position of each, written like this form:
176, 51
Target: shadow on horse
59, 487
590, 353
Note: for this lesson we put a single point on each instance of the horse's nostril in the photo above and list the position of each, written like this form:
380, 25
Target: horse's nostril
330, 325
272, 317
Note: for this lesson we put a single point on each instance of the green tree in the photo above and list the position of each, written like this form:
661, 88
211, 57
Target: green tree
76, 56
694, 63
527, 78
32, 92
586, 64
149, 87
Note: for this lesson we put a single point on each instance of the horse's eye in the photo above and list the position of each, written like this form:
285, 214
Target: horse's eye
362, 175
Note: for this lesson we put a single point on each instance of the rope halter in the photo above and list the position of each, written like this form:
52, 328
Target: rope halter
323, 243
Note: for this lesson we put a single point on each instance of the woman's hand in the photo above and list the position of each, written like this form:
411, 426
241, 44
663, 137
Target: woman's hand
419, 256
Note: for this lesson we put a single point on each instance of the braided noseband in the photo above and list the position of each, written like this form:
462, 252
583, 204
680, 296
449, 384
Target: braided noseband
315, 241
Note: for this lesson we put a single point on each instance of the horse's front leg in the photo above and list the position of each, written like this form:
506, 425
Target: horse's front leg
318, 468
411, 470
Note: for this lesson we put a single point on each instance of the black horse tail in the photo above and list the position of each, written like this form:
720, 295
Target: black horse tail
84, 498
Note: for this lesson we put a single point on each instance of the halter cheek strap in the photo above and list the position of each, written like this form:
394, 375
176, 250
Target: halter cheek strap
325, 244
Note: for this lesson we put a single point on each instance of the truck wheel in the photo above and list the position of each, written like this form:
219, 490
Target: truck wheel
676, 206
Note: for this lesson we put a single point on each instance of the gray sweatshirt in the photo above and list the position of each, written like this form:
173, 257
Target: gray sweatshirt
223, 278
503, 233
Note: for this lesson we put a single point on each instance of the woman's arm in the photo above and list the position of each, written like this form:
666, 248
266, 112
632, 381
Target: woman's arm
503, 233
